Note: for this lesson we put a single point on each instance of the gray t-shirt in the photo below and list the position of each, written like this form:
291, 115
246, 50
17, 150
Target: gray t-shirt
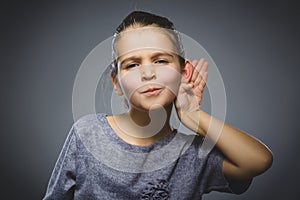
96, 164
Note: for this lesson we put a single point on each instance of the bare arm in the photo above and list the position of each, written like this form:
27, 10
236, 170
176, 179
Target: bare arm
245, 156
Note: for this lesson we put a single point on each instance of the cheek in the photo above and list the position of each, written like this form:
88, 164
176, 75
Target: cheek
170, 77
129, 82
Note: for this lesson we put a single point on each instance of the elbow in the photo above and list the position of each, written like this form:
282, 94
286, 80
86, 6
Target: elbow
267, 161
257, 165
263, 163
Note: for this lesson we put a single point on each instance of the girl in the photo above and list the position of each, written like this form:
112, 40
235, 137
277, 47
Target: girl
137, 154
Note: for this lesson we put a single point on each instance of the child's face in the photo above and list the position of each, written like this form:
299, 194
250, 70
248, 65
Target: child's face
149, 73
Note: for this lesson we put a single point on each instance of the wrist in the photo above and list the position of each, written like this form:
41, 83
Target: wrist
192, 120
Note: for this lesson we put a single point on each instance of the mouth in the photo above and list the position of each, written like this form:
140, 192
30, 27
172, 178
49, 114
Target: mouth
152, 91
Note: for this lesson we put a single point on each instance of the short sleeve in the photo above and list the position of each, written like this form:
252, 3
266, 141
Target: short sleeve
214, 176
63, 179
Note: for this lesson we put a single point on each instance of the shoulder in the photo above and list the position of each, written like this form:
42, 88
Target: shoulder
91, 126
89, 121
90, 132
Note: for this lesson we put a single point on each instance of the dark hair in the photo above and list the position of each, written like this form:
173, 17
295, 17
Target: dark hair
142, 19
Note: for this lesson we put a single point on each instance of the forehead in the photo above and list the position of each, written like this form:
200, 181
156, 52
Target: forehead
143, 38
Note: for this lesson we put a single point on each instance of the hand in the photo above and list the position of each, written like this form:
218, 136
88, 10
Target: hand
190, 94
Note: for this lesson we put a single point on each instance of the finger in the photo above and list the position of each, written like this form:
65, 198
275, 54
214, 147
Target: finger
197, 69
198, 92
185, 87
200, 68
194, 63
195, 74
199, 77
197, 81
201, 74
203, 82
200, 63
204, 68
205, 77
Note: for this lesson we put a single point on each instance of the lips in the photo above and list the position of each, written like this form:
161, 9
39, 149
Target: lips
151, 90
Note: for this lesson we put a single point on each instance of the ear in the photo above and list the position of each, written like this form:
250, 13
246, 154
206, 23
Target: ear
187, 72
116, 85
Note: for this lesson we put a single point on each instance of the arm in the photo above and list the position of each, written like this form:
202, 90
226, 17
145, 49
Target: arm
63, 179
245, 156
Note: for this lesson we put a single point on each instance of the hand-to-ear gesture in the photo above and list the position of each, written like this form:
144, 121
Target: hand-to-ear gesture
190, 94
244, 156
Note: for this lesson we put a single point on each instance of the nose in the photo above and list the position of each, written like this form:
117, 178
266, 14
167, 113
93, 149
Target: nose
147, 72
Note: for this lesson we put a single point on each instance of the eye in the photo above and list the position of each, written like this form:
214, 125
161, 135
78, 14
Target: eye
161, 61
131, 65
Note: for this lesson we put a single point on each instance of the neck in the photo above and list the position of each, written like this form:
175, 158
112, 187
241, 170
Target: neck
148, 117
145, 127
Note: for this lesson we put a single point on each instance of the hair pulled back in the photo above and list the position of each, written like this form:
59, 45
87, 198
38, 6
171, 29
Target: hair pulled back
139, 19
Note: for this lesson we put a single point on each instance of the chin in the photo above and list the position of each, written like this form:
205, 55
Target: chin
153, 107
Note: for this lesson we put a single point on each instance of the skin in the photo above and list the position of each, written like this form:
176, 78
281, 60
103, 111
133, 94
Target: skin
245, 156
146, 59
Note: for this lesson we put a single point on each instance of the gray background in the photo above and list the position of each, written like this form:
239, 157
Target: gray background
254, 44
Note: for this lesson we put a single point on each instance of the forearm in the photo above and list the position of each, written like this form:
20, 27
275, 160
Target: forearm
246, 156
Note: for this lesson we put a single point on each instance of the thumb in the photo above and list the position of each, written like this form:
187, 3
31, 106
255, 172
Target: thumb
185, 87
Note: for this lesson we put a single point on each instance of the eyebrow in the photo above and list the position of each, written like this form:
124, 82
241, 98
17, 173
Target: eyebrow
156, 54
